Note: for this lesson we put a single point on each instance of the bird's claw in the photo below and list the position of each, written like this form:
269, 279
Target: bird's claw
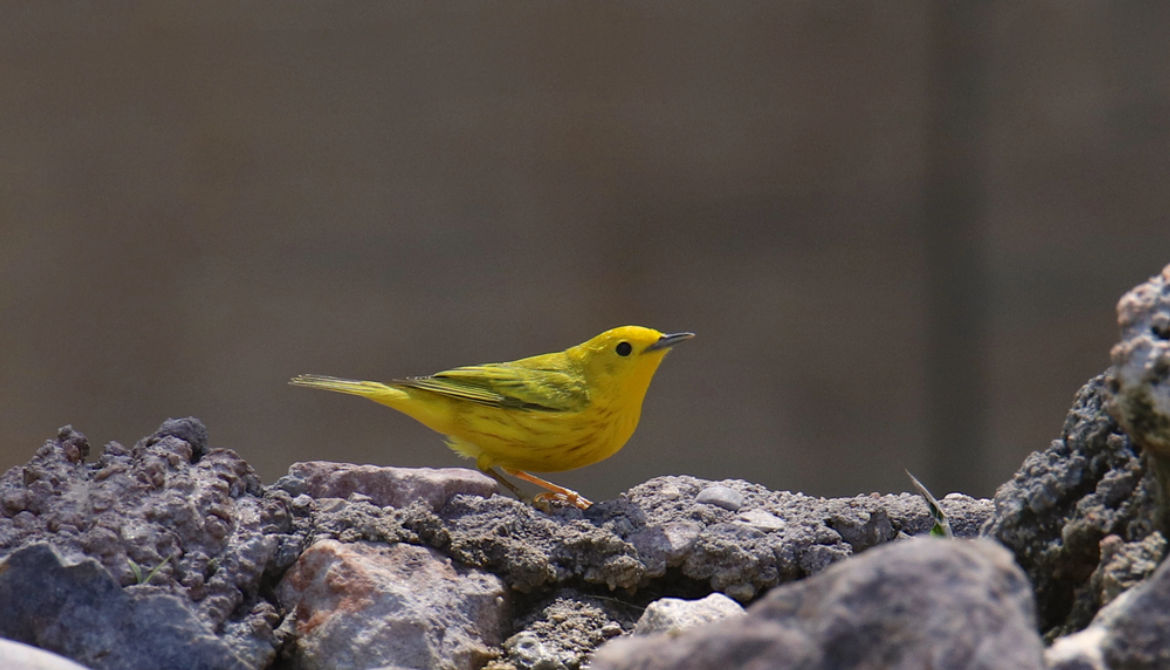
541, 500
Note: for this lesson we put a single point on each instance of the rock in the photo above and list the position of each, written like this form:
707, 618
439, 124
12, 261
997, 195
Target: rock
80, 612
660, 529
720, 496
923, 603
189, 430
363, 605
385, 486
562, 631
527, 651
17, 656
193, 520
1128, 633
1124, 565
674, 615
1139, 381
173, 517
1063, 501
1079, 651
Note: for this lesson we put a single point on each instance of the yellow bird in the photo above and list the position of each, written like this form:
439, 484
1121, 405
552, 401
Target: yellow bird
547, 413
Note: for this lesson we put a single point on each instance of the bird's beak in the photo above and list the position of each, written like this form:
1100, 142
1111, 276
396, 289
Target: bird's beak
668, 341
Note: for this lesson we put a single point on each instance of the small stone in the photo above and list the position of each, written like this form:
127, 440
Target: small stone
674, 615
188, 429
761, 520
527, 652
721, 496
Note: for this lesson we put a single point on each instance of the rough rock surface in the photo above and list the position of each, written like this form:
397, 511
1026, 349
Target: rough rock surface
363, 605
924, 603
1131, 632
1065, 501
661, 531
196, 526
193, 520
79, 611
561, 631
1139, 380
385, 486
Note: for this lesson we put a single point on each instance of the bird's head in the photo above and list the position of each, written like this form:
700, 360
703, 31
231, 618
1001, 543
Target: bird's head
625, 357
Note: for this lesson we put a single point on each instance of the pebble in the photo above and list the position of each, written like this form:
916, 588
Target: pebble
721, 496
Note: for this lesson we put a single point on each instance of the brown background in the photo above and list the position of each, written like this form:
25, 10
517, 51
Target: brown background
899, 230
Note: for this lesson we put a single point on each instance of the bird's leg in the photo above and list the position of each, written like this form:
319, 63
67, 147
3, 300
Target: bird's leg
491, 472
554, 491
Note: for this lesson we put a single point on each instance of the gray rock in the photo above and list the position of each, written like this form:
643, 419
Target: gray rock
674, 615
924, 603
660, 529
385, 486
193, 521
1063, 501
562, 631
17, 656
362, 605
720, 496
80, 612
1128, 633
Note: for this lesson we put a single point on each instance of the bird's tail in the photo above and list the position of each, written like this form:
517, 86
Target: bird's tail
376, 391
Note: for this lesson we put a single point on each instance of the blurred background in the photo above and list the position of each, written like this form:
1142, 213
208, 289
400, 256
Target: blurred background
899, 231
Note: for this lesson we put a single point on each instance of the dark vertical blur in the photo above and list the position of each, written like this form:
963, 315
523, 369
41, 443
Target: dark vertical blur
956, 274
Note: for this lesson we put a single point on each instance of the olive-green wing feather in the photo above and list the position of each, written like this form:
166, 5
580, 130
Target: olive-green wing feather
508, 385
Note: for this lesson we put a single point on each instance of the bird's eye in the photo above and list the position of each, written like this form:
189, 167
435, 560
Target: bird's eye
624, 349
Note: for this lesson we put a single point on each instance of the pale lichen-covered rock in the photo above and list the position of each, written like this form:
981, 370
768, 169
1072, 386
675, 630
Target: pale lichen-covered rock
1139, 381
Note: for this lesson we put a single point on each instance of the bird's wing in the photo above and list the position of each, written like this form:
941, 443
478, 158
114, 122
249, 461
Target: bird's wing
507, 385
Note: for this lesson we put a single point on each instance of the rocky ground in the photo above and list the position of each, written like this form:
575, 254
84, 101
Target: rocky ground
171, 554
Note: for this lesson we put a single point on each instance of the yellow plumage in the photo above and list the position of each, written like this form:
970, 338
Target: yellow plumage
547, 413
